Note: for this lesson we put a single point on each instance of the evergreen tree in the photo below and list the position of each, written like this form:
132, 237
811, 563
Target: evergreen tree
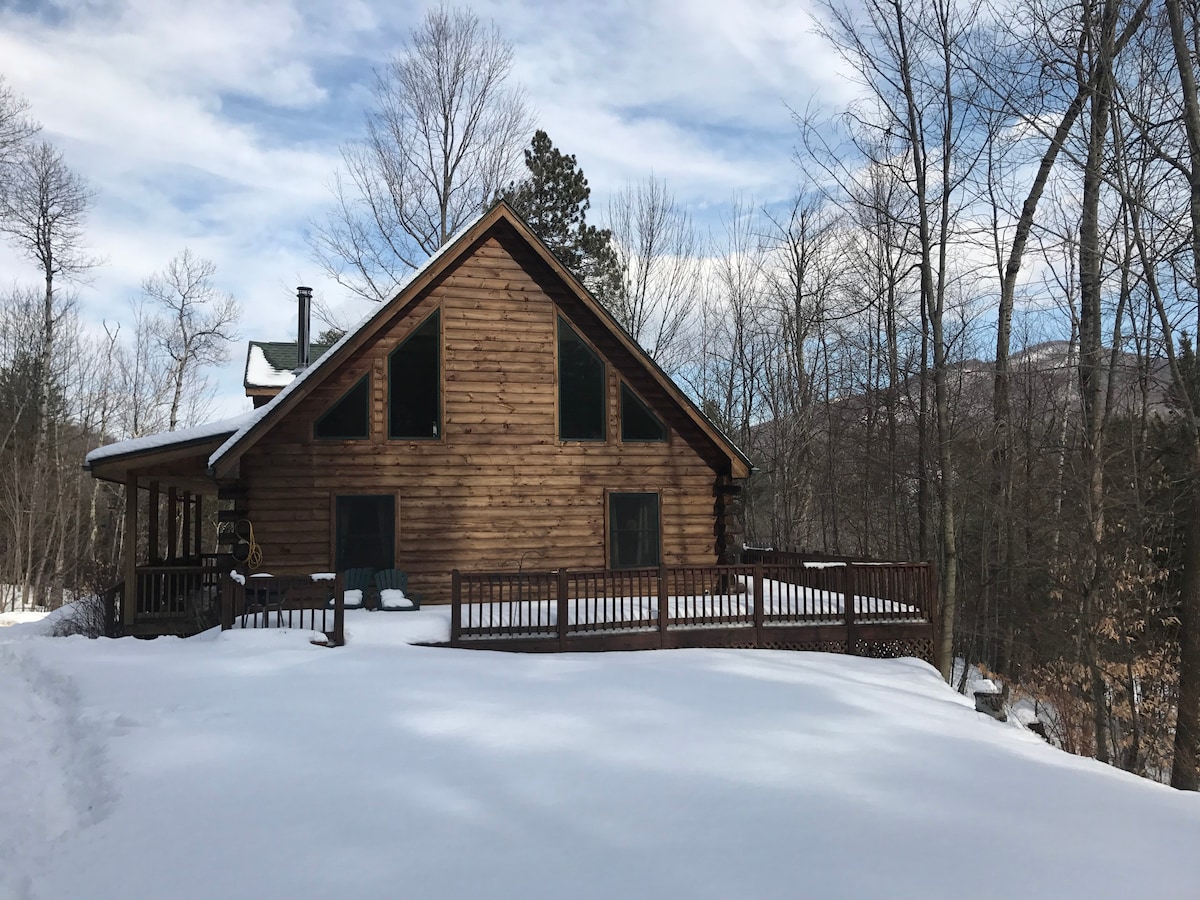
554, 199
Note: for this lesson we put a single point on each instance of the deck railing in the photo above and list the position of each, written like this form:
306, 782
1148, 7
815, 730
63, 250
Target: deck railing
756, 604
316, 603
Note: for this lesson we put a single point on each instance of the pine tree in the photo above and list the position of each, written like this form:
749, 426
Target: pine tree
554, 200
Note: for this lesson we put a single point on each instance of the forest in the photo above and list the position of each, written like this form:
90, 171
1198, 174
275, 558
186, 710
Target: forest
967, 337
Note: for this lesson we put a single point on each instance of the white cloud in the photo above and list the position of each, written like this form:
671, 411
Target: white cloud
215, 124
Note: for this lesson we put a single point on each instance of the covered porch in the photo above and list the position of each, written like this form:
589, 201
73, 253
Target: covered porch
172, 567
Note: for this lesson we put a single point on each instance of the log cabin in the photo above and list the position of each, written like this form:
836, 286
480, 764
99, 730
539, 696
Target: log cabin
491, 415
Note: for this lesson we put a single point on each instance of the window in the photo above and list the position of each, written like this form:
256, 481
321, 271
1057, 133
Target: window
414, 383
366, 532
349, 418
581, 406
637, 422
633, 531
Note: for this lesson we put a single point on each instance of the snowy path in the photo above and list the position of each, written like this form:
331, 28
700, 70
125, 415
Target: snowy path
253, 764
54, 776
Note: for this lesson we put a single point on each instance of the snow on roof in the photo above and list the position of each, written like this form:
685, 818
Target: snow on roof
332, 352
260, 373
171, 438
272, 364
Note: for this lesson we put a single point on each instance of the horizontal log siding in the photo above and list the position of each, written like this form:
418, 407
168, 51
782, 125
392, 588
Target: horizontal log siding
498, 490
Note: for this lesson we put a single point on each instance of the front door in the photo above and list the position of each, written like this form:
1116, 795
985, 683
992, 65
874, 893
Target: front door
366, 532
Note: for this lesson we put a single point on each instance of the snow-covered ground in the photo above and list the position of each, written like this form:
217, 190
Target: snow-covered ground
254, 764
22, 617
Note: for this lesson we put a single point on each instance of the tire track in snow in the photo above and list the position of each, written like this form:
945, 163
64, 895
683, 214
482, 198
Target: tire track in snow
53, 770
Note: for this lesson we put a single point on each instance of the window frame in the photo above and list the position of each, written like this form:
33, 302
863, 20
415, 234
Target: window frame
436, 313
366, 378
564, 322
610, 530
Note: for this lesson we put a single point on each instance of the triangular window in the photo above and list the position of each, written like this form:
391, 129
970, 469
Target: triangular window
638, 423
349, 418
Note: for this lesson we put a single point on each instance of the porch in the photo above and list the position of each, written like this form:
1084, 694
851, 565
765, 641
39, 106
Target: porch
184, 600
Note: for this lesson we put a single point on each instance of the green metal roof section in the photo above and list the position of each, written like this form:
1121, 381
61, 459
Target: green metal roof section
281, 356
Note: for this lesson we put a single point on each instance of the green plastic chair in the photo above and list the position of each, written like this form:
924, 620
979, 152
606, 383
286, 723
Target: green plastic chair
394, 579
358, 580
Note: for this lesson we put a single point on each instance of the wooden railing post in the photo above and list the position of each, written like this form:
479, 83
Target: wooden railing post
760, 602
663, 602
848, 592
339, 609
226, 601
561, 616
455, 607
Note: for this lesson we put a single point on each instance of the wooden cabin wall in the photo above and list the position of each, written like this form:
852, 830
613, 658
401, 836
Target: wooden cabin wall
498, 490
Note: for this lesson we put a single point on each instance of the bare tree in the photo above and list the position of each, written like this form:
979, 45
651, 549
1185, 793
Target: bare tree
658, 254
444, 137
1185, 773
194, 325
16, 128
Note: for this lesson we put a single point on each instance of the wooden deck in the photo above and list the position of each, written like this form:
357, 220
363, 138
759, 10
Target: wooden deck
865, 609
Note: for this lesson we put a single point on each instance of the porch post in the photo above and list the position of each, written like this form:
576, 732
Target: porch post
196, 547
129, 606
187, 524
152, 525
172, 523
849, 591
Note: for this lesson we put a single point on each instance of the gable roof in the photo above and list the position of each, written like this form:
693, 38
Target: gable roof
249, 434
272, 364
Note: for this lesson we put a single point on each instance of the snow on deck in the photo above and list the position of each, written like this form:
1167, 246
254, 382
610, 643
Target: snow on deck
782, 601
254, 764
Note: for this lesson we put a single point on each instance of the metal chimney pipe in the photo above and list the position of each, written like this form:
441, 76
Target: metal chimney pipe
303, 341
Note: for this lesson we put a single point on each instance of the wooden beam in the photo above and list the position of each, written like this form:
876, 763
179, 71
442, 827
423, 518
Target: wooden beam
197, 546
187, 523
172, 522
129, 604
152, 528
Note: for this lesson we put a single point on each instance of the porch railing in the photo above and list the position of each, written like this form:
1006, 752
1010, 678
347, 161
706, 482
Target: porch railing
174, 591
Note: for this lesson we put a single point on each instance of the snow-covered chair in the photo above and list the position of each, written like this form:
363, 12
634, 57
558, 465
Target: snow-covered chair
356, 581
392, 585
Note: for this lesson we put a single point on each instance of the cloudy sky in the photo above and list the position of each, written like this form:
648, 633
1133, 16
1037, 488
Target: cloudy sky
215, 124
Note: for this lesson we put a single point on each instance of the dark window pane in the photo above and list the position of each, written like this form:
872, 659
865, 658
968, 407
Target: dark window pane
580, 388
414, 384
633, 530
637, 422
349, 418
366, 532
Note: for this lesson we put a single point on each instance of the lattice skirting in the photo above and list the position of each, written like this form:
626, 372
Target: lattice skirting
808, 646
920, 648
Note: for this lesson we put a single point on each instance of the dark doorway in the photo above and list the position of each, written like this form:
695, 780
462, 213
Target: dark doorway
366, 532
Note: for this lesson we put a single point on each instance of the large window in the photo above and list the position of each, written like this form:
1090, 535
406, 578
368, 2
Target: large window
638, 423
633, 532
349, 418
366, 532
581, 406
415, 384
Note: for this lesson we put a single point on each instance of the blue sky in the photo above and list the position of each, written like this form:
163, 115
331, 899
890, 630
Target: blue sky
215, 125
